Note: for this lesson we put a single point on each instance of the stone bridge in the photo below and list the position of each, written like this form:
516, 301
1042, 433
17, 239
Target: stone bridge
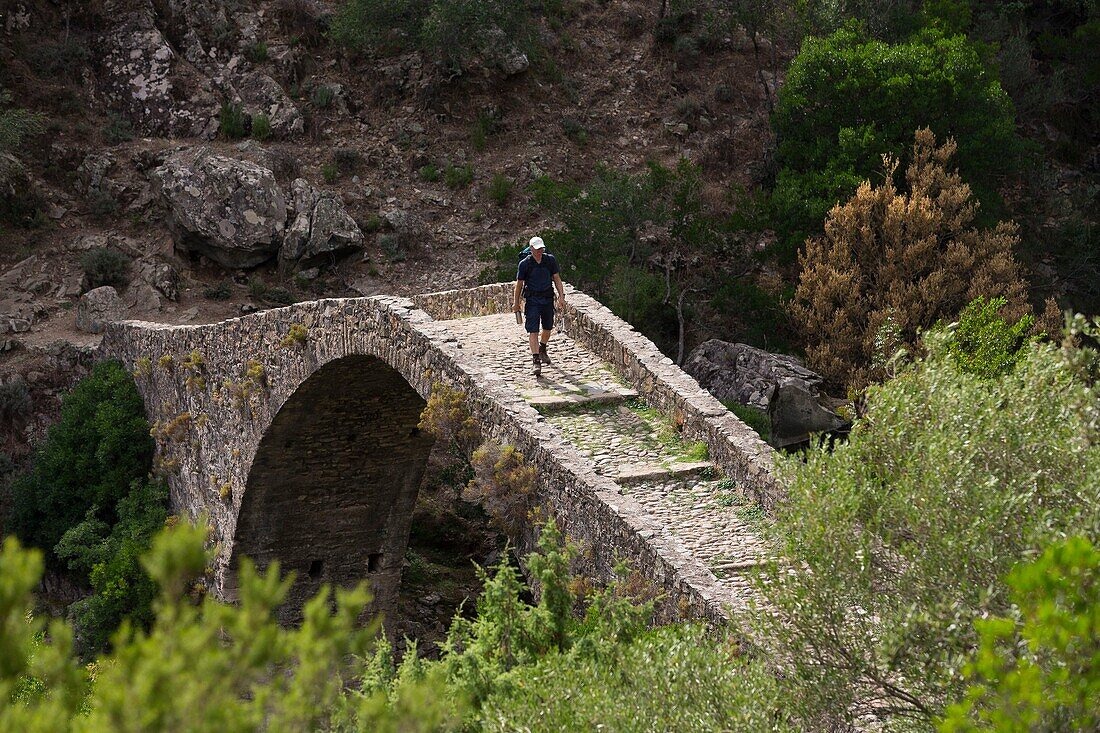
295, 431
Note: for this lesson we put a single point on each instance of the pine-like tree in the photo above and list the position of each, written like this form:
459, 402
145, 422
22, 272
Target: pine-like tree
900, 260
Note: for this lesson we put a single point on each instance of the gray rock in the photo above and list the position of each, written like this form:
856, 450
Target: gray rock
96, 308
232, 211
321, 229
743, 373
504, 54
93, 171
145, 82
796, 411
159, 275
262, 95
143, 298
774, 383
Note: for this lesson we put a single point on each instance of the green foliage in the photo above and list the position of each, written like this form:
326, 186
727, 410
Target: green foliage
17, 124
118, 129
848, 100
220, 291
983, 343
330, 172
500, 189
261, 127
1039, 669
110, 558
201, 667
322, 96
450, 31
88, 462
756, 419
104, 266
458, 176
575, 130
429, 172
256, 52
906, 531
232, 121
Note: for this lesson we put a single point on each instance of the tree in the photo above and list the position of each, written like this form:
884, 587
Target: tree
902, 537
907, 259
1038, 669
90, 458
848, 100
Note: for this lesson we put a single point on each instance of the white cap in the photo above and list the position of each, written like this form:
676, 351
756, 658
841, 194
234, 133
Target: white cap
537, 243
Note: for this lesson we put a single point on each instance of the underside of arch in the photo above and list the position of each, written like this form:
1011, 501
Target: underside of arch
332, 488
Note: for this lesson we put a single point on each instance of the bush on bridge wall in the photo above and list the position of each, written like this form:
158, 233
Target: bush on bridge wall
949, 480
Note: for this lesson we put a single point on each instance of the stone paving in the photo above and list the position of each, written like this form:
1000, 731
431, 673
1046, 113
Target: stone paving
635, 446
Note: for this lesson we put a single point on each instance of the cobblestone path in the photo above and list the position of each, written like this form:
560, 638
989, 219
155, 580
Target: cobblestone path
626, 441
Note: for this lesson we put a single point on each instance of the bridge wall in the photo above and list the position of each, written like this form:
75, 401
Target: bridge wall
209, 438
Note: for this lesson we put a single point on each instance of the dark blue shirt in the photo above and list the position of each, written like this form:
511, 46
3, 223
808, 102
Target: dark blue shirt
538, 276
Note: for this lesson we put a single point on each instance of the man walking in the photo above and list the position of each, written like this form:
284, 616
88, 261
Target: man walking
536, 279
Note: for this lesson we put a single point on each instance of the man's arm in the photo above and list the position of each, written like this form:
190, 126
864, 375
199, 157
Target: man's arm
561, 290
515, 295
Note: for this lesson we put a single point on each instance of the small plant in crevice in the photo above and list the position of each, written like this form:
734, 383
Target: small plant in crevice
195, 366
295, 337
500, 189
233, 121
458, 176
429, 172
257, 52
261, 127
322, 96
330, 171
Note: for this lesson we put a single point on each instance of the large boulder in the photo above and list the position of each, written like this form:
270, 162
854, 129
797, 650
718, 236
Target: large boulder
777, 384
744, 374
96, 308
322, 229
229, 210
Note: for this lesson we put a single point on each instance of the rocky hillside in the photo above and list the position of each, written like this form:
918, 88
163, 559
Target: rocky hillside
208, 158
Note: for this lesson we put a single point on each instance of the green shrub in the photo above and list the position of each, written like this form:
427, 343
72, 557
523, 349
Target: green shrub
17, 124
330, 172
848, 100
458, 176
15, 402
907, 531
500, 188
322, 96
232, 121
101, 203
261, 127
104, 266
392, 246
984, 344
118, 129
280, 296
487, 123
574, 130
88, 461
221, 291
1037, 669
429, 172
109, 556
257, 288
256, 52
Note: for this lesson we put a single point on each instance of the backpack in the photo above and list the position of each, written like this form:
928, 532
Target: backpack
524, 254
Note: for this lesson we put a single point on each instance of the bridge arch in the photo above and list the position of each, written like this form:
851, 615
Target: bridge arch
332, 487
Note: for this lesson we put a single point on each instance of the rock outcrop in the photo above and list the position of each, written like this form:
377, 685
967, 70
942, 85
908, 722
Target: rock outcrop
261, 94
777, 384
145, 81
96, 308
229, 210
322, 228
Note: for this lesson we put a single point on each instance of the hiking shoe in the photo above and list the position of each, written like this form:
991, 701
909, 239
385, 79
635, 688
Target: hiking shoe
542, 353
537, 363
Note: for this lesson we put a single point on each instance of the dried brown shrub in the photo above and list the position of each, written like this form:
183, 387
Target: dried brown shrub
899, 261
504, 484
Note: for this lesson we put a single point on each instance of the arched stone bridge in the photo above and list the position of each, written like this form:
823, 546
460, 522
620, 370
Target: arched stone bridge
294, 429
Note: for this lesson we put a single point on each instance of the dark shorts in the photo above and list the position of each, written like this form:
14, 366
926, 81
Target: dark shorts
538, 309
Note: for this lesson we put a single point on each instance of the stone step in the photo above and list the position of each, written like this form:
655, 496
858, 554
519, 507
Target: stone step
550, 403
637, 473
